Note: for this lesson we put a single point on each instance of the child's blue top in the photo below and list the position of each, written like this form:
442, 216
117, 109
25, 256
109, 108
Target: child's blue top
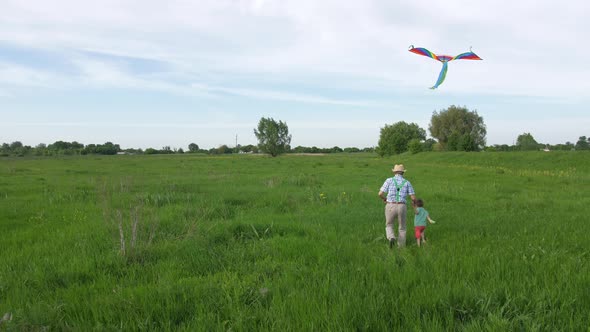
420, 218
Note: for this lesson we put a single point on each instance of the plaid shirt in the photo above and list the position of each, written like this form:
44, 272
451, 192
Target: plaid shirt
389, 187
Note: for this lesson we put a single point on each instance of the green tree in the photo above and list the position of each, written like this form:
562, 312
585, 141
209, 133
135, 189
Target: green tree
273, 137
108, 148
351, 149
193, 148
17, 148
16, 145
5, 150
40, 149
453, 141
582, 144
65, 148
457, 128
526, 142
336, 149
415, 146
224, 149
467, 143
428, 144
395, 138
249, 148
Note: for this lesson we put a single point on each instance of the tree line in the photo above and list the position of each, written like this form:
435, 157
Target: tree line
457, 129
58, 148
61, 148
452, 129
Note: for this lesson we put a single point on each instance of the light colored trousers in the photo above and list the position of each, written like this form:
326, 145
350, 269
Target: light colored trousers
399, 211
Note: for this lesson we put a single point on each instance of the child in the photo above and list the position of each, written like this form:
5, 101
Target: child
420, 222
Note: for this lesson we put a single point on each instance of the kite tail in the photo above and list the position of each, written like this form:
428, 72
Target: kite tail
441, 75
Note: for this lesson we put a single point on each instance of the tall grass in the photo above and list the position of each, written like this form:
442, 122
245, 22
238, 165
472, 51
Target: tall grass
293, 243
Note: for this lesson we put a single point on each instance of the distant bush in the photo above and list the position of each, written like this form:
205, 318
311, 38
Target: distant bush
415, 146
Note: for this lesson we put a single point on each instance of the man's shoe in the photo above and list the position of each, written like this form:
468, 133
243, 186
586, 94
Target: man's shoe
391, 243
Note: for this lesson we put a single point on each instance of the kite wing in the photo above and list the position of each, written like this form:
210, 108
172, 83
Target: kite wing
444, 59
467, 56
423, 51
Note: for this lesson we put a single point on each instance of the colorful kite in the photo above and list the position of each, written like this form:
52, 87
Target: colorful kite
444, 59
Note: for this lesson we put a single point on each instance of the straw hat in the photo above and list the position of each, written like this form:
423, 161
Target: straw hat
398, 168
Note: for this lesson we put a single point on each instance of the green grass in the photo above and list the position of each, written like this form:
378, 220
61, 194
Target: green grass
251, 243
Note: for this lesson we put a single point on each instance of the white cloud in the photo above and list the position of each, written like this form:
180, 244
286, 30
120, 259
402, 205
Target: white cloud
521, 42
172, 125
195, 125
356, 125
279, 95
21, 76
88, 74
329, 53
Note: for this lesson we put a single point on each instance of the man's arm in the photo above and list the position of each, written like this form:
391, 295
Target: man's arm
413, 200
381, 196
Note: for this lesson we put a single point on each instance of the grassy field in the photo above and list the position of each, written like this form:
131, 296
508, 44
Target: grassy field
294, 243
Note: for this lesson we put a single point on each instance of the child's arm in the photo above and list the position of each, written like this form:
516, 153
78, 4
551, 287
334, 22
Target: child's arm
416, 210
430, 220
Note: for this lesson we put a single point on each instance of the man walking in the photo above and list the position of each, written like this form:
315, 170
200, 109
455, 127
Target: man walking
397, 189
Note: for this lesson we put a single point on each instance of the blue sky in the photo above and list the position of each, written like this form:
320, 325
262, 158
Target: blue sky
152, 74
